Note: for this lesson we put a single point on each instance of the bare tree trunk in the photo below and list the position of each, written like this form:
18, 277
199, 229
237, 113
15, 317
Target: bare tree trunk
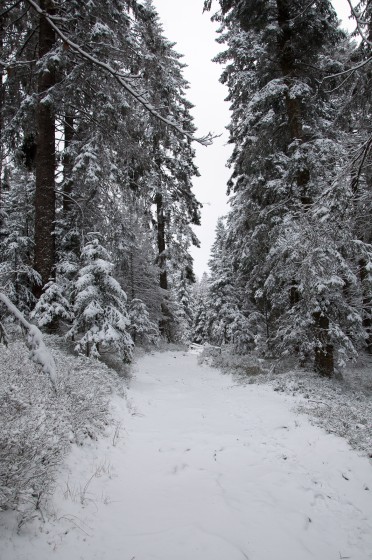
161, 241
67, 164
131, 275
45, 158
324, 362
1, 121
163, 279
367, 305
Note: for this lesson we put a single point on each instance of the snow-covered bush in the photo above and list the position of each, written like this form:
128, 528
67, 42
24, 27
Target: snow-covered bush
52, 306
227, 359
100, 306
141, 328
38, 425
39, 353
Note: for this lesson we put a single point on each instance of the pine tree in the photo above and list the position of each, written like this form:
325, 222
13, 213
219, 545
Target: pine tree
200, 311
142, 329
284, 162
173, 167
222, 305
52, 306
183, 296
100, 309
17, 275
118, 45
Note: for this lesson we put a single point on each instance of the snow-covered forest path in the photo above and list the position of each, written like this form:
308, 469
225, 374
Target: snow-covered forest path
207, 469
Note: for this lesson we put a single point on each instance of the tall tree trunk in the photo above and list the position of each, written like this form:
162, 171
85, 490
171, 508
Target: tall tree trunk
163, 279
367, 304
287, 61
324, 362
2, 97
287, 66
161, 241
67, 164
131, 275
45, 157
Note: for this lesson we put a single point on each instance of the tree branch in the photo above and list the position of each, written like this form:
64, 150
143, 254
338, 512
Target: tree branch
39, 352
124, 82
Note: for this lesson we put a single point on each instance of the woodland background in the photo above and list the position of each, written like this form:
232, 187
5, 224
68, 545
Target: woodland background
97, 207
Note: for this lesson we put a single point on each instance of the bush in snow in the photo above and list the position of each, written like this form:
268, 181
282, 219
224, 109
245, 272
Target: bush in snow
142, 328
52, 306
38, 424
39, 353
100, 306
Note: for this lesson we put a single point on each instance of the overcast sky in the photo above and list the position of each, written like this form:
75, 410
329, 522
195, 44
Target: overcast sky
185, 24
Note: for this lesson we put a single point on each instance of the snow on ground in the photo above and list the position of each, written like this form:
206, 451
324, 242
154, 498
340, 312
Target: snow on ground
342, 405
200, 467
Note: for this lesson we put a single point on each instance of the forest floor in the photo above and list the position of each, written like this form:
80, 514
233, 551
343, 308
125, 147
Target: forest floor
200, 466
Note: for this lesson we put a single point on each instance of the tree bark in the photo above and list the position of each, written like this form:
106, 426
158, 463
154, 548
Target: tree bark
67, 164
324, 362
163, 279
45, 157
1, 122
287, 66
367, 305
161, 241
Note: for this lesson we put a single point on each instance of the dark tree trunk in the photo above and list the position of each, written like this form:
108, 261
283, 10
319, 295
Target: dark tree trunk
161, 241
323, 363
287, 66
163, 280
67, 164
1, 121
367, 305
131, 274
45, 158
294, 296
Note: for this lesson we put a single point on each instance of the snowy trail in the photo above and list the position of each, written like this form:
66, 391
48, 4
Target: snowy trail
206, 469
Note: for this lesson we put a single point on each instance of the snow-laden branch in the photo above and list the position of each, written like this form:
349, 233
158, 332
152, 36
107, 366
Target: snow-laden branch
348, 71
38, 351
124, 82
359, 23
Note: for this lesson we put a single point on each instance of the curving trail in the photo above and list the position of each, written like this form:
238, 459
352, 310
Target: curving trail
205, 469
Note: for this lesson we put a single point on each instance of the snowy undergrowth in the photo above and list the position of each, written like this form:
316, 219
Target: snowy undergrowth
342, 406
39, 426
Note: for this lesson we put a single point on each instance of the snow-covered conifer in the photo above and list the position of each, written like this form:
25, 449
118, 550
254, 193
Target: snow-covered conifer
100, 307
52, 306
142, 329
286, 157
17, 274
200, 324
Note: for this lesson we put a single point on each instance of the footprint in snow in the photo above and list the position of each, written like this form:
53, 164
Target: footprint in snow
178, 468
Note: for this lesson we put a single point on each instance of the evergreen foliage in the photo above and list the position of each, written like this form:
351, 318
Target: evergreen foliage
142, 329
95, 120
100, 308
294, 276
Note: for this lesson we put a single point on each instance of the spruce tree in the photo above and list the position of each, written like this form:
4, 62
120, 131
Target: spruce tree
100, 308
284, 162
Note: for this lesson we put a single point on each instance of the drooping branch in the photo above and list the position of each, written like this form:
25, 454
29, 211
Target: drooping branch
125, 82
360, 23
38, 351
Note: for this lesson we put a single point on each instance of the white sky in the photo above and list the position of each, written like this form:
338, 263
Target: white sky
194, 33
